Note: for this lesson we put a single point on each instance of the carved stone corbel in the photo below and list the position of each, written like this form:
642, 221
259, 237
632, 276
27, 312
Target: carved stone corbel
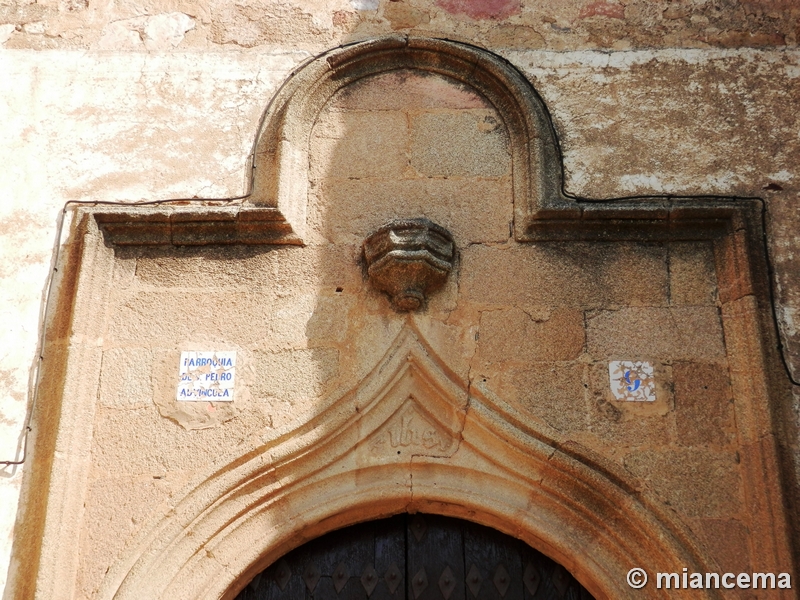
409, 259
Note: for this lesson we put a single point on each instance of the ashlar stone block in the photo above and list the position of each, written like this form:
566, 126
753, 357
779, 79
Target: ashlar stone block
664, 333
126, 378
727, 541
347, 210
551, 392
703, 404
294, 375
405, 89
696, 482
692, 274
359, 144
516, 336
576, 275
459, 144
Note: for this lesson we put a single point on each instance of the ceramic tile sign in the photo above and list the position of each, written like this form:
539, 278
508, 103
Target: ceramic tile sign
207, 376
632, 381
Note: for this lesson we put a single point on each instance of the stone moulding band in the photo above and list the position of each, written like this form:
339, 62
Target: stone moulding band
632, 220
193, 226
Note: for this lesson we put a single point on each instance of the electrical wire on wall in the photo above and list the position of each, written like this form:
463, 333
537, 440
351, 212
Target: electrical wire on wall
763, 224
33, 380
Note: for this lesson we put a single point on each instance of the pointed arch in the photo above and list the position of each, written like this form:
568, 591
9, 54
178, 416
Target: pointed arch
480, 459
411, 436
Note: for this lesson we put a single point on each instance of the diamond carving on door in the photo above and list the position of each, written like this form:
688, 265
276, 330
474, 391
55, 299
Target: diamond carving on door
415, 557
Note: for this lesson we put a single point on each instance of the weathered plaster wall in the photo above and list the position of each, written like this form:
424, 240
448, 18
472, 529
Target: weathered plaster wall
91, 119
165, 103
317, 25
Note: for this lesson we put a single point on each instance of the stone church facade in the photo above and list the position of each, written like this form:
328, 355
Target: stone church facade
276, 269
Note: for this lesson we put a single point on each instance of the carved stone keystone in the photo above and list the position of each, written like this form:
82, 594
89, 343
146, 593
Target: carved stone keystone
409, 259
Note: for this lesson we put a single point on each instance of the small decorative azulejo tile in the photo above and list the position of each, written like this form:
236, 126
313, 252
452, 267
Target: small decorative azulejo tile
632, 380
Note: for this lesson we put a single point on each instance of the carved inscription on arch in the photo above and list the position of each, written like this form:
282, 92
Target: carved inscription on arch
411, 432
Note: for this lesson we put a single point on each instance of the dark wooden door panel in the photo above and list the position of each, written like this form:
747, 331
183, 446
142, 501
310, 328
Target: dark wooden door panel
494, 564
435, 553
339, 560
551, 581
390, 558
415, 557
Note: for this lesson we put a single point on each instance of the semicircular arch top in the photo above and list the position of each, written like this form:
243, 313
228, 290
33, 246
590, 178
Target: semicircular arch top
281, 156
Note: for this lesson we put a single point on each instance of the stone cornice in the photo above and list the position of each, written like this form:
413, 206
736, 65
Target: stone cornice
170, 225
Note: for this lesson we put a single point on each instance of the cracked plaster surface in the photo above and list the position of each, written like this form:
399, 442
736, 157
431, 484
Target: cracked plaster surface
522, 24
155, 34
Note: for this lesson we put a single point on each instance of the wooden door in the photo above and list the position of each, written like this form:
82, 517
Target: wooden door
415, 557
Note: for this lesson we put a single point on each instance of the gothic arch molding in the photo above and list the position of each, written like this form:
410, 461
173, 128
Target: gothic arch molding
468, 455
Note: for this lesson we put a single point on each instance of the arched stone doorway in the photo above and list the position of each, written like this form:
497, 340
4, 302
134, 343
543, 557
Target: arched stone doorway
392, 412
419, 557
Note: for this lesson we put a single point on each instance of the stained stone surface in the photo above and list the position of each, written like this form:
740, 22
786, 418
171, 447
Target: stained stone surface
166, 104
